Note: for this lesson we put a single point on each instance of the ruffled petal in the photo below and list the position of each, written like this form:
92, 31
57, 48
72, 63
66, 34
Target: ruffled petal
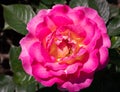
94, 16
72, 68
60, 10
92, 63
33, 23
25, 43
103, 57
106, 40
39, 71
38, 53
56, 66
61, 21
83, 81
49, 82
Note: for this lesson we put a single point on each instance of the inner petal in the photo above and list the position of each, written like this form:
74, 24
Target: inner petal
65, 47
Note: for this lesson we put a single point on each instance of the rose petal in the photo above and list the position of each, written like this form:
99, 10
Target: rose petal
56, 66
61, 21
42, 31
25, 43
92, 44
93, 15
72, 68
103, 57
60, 10
40, 71
92, 63
33, 23
26, 63
38, 53
77, 87
78, 16
50, 82
106, 40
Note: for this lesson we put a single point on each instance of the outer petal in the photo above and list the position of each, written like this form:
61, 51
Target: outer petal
60, 10
103, 57
72, 68
92, 63
56, 66
42, 31
93, 15
40, 71
93, 42
83, 81
77, 16
33, 23
61, 21
26, 63
25, 43
50, 82
106, 40
38, 53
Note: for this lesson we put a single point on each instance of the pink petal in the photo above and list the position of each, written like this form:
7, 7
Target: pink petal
103, 57
33, 23
78, 30
106, 40
92, 62
76, 86
26, 63
25, 43
50, 82
40, 71
72, 68
61, 21
93, 42
60, 10
93, 15
57, 73
76, 16
42, 31
56, 66
90, 28
38, 53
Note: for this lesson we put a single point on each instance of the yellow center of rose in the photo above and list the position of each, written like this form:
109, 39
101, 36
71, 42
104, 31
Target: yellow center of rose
65, 47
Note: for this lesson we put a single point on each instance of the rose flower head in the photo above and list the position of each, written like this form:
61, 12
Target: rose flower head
65, 46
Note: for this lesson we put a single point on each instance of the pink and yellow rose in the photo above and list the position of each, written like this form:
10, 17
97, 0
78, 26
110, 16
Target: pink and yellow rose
65, 46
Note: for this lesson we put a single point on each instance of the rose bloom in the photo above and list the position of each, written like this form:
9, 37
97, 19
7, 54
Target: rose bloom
65, 46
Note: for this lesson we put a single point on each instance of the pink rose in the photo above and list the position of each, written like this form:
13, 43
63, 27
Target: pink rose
65, 46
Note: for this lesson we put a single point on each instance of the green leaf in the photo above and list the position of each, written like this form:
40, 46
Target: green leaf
41, 6
92, 4
52, 2
115, 42
47, 2
14, 62
74, 3
114, 11
17, 16
114, 26
20, 77
26, 88
102, 7
6, 84
59, 1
